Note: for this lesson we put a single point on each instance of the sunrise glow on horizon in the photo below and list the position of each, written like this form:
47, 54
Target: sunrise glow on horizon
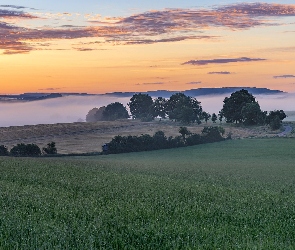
99, 47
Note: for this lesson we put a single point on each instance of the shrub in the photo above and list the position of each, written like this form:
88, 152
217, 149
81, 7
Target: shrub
50, 149
25, 150
3, 150
275, 123
212, 134
194, 139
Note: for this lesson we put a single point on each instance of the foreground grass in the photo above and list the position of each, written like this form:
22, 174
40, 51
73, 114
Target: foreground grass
228, 195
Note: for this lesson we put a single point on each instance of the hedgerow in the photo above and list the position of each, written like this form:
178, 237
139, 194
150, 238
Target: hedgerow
145, 142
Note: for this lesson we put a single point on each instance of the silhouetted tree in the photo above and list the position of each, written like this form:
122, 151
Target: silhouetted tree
220, 116
272, 114
3, 150
214, 118
95, 114
115, 111
206, 116
50, 149
252, 114
159, 107
141, 106
25, 150
184, 108
233, 105
184, 131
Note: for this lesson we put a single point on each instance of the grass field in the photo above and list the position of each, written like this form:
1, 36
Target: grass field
237, 194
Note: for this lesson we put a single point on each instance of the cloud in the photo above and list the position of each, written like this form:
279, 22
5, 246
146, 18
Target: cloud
159, 26
194, 82
285, 76
222, 61
9, 14
49, 89
220, 73
12, 6
165, 40
151, 83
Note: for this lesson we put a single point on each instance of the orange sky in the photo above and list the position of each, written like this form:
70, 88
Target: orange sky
160, 49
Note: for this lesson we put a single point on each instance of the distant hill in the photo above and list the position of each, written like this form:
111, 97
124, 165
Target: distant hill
201, 92
156, 93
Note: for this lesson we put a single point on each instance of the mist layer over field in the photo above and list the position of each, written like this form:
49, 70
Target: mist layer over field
73, 108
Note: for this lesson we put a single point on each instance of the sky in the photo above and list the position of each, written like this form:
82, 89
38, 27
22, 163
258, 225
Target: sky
97, 46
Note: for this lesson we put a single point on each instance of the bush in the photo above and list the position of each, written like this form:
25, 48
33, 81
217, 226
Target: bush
212, 134
3, 150
145, 142
275, 123
25, 150
50, 149
194, 139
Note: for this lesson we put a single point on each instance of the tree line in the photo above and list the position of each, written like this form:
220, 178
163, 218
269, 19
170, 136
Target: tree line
241, 107
32, 149
145, 142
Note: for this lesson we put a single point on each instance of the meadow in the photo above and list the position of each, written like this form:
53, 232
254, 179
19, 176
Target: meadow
236, 194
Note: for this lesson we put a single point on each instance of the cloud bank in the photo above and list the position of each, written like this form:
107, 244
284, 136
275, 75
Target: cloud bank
285, 76
219, 73
222, 61
159, 26
72, 108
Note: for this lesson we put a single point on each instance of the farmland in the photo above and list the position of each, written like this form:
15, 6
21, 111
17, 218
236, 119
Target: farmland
227, 195
89, 137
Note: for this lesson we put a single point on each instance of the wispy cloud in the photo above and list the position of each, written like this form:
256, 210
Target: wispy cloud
284, 76
49, 89
151, 83
194, 83
219, 73
160, 26
222, 61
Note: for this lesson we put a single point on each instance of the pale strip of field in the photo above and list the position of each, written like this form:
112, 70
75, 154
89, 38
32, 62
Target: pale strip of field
89, 137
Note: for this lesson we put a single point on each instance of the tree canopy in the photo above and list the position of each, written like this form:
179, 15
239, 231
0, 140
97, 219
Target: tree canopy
141, 106
115, 111
233, 105
184, 108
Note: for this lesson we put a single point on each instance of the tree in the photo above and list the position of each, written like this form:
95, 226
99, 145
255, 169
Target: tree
220, 116
141, 106
95, 114
214, 118
115, 111
275, 123
212, 134
233, 105
50, 149
252, 114
206, 116
159, 107
3, 150
25, 150
275, 118
272, 114
184, 108
184, 131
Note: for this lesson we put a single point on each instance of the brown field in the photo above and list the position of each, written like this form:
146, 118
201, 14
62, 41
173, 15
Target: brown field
89, 137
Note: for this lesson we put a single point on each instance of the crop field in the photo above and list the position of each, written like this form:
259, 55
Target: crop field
237, 194
89, 137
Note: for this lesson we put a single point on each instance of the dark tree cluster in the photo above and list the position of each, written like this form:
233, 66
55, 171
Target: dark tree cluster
178, 107
242, 107
32, 149
112, 112
126, 144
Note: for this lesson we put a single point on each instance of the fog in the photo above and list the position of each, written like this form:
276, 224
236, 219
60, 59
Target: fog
72, 108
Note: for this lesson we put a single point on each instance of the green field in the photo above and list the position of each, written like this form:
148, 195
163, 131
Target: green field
236, 194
